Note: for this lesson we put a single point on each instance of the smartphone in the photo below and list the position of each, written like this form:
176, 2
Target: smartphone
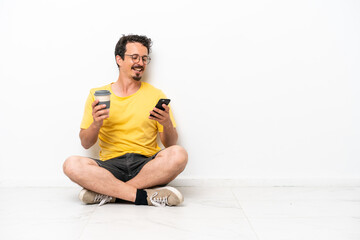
160, 103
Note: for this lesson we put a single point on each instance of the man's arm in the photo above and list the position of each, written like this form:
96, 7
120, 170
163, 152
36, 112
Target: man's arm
169, 135
89, 136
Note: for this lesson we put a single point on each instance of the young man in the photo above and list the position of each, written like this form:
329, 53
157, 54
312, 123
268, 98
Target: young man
131, 162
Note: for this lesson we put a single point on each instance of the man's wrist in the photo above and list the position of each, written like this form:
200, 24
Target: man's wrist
168, 125
96, 126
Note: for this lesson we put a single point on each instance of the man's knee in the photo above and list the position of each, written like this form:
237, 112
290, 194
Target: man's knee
70, 165
179, 157
75, 165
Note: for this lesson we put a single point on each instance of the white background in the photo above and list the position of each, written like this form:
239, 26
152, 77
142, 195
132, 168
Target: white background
260, 89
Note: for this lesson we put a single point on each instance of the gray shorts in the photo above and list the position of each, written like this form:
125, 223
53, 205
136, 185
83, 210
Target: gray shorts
126, 166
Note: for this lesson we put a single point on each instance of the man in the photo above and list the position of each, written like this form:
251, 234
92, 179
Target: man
131, 162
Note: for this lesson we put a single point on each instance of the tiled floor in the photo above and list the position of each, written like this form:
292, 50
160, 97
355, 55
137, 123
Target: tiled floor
274, 213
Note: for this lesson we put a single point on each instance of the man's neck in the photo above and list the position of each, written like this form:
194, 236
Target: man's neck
124, 87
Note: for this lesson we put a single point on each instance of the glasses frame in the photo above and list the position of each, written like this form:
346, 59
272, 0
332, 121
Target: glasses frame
137, 59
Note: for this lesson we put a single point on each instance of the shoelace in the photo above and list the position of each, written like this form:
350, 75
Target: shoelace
102, 198
158, 202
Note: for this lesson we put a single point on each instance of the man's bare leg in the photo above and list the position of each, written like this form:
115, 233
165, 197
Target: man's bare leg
167, 165
88, 174
164, 168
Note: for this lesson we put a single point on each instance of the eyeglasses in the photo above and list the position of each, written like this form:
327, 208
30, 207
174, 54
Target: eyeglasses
136, 58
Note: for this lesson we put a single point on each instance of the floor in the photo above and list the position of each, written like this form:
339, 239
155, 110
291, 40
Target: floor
274, 213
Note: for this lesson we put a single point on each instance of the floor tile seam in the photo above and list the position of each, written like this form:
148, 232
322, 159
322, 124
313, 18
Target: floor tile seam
327, 200
335, 218
87, 222
246, 217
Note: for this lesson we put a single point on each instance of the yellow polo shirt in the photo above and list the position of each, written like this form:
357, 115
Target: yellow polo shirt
128, 128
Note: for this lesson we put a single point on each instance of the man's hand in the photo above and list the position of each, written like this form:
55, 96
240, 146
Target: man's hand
169, 136
163, 117
89, 136
99, 113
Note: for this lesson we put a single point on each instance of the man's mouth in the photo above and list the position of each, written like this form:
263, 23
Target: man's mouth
138, 69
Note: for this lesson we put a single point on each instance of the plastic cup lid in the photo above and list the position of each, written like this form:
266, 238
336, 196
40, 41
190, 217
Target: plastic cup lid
102, 93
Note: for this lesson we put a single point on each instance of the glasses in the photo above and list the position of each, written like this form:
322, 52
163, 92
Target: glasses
136, 58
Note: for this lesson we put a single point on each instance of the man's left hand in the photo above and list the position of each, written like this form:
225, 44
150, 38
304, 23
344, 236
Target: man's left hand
163, 117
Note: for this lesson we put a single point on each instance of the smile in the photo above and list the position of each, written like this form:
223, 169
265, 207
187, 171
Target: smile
138, 69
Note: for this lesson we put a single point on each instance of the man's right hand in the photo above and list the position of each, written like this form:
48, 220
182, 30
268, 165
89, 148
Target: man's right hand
99, 113
89, 136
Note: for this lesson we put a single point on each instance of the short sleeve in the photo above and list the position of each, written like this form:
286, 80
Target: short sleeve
87, 117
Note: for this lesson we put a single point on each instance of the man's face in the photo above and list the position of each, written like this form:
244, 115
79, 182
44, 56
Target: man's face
133, 68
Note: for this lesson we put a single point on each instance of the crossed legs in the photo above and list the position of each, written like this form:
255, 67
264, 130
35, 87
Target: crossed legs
167, 165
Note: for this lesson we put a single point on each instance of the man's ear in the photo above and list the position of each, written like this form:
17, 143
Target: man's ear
119, 60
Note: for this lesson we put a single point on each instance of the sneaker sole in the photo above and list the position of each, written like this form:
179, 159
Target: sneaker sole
176, 192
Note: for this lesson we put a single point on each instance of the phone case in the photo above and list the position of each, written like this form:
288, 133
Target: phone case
160, 103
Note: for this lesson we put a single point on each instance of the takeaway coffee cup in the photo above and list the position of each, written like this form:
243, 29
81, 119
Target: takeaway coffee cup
104, 97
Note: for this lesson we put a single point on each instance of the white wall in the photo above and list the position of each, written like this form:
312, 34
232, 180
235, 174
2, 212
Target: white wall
260, 89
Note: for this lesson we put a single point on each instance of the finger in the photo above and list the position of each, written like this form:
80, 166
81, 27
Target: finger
153, 118
95, 103
159, 111
102, 112
156, 119
166, 107
156, 115
101, 118
104, 117
99, 107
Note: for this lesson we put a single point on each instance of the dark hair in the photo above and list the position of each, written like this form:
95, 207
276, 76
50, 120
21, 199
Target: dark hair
120, 48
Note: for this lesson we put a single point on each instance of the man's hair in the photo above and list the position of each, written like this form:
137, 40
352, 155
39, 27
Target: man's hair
120, 48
